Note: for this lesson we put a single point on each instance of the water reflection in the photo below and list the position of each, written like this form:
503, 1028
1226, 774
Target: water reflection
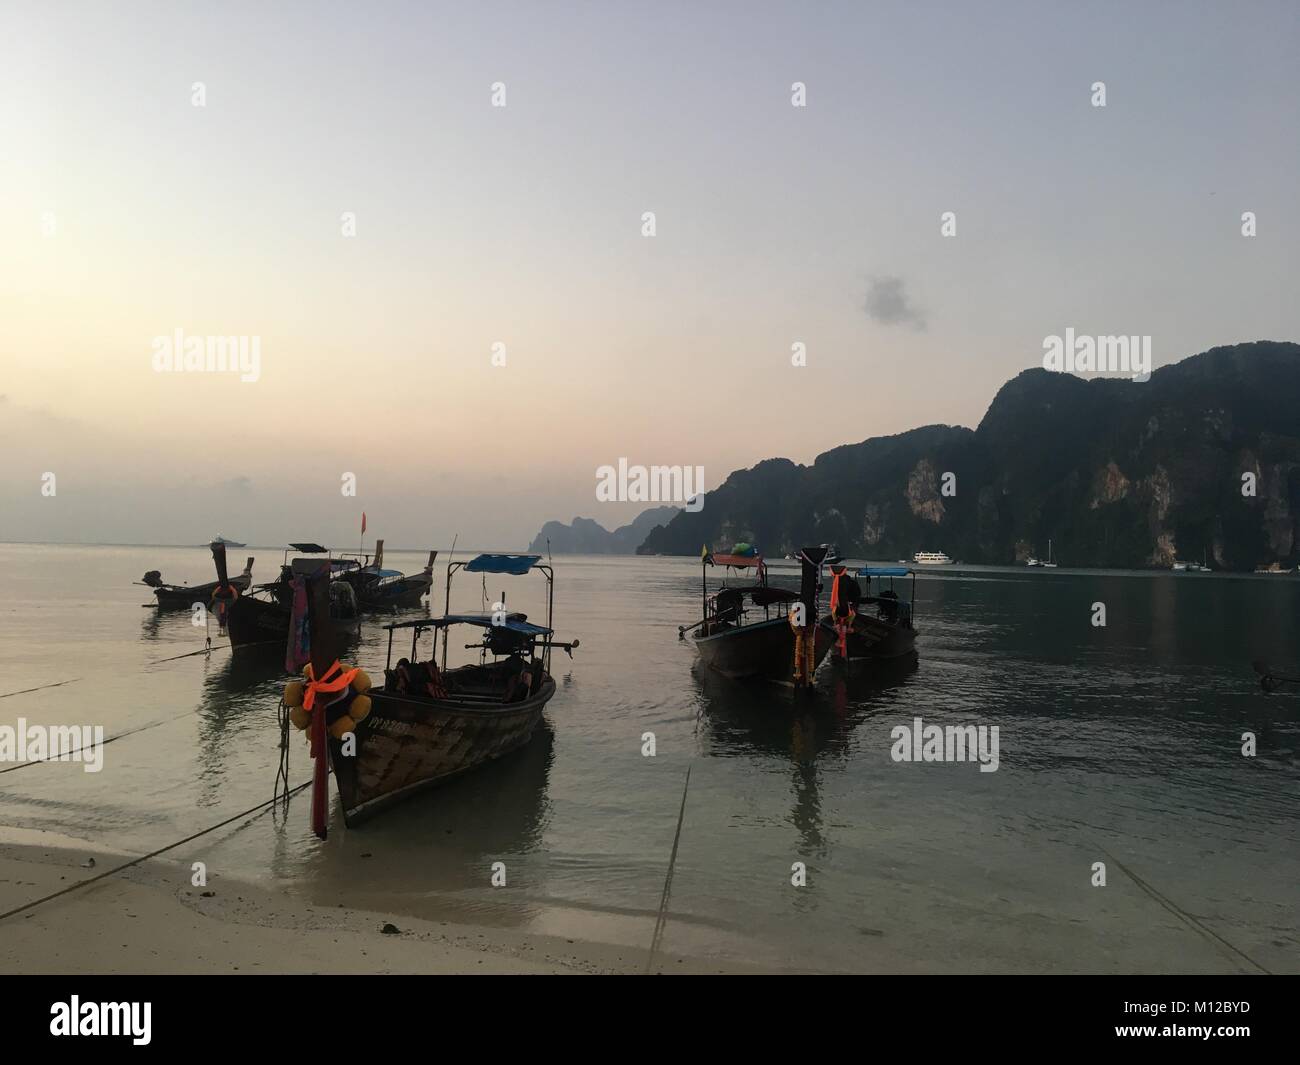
803, 730
439, 841
237, 708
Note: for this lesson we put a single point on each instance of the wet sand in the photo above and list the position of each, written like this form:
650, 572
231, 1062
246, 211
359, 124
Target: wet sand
149, 919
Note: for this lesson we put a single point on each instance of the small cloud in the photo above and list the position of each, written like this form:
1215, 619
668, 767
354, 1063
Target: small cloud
888, 303
237, 485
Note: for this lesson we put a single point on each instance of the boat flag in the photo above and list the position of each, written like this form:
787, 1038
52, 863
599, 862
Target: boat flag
363, 523
706, 556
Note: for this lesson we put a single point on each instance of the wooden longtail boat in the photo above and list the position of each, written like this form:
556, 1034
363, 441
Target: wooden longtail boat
881, 625
259, 620
412, 740
733, 641
388, 589
184, 596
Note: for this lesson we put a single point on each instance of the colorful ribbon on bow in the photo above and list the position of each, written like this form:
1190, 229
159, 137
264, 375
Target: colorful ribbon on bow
335, 680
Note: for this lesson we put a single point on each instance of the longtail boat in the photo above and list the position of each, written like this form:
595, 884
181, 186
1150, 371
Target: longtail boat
784, 645
428, 723
184, 596
388, 589
259, 620
863, 626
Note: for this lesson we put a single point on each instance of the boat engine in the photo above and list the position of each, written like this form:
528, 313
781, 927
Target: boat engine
502, 641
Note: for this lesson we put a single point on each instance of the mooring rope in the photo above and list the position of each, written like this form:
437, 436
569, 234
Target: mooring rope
1180, 913
121, 735
41, 687
66, 756
662, 919
282, 773
189, 654
145, 857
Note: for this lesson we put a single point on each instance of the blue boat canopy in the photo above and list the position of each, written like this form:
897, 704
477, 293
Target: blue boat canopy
514, 622
372, 572
512, 564
884, 571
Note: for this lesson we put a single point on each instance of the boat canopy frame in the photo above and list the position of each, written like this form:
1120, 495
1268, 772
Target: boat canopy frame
760, 593
880, 573
513, 565
517, 623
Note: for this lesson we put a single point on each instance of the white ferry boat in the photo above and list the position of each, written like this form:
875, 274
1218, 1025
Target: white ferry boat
931, 558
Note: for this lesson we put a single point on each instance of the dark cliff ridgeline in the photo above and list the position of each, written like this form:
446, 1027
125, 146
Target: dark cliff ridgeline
586, 537
1114, 472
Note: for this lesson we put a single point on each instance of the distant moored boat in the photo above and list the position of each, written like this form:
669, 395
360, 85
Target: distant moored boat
931, 558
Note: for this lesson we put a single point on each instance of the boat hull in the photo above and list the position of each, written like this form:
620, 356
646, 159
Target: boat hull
256, 623
259, 625
182, 597
407, 745
872, 638
764, 649
408, 592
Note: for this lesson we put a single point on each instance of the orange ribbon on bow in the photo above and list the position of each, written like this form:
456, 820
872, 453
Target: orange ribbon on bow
328, 684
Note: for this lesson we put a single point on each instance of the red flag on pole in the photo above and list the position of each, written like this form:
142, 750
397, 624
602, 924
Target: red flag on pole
363, 523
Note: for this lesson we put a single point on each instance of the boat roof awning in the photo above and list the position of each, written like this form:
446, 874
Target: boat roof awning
739, 561
767, 596
310, 549
316, 565
514, 622
516, 565
884, 571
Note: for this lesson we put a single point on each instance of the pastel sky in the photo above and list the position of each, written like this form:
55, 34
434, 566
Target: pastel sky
522, 225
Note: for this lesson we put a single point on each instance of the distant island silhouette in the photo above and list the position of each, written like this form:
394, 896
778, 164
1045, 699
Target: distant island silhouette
583, 536
1114, 472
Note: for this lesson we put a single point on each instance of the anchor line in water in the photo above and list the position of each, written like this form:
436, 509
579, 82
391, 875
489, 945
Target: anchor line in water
189, 654
144, 857
41, 687
1182, 914
661, 920
119, 736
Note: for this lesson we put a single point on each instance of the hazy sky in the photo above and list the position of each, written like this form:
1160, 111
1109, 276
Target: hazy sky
522, 225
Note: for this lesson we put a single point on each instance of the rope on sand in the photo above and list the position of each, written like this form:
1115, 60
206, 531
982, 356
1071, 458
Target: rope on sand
662, 919
144, 857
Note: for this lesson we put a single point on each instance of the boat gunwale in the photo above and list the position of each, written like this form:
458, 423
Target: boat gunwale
765, 623
540, 698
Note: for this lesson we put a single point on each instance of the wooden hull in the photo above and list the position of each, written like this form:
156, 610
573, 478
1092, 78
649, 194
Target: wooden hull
406, 744
256, 624
181, 597
408, 592
764, 649
872, 638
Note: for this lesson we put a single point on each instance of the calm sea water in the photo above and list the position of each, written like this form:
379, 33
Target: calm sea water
1119, 744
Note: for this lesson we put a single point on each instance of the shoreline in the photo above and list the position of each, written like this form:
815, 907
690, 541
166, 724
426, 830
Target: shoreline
149, 919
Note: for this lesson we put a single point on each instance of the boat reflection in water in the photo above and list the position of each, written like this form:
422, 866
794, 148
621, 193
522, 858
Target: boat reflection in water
431, 855
808, 732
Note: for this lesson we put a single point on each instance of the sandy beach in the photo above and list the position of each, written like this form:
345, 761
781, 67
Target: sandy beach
149, 919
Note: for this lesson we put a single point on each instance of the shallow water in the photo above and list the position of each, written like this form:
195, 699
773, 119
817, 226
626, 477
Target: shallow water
1119, 744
